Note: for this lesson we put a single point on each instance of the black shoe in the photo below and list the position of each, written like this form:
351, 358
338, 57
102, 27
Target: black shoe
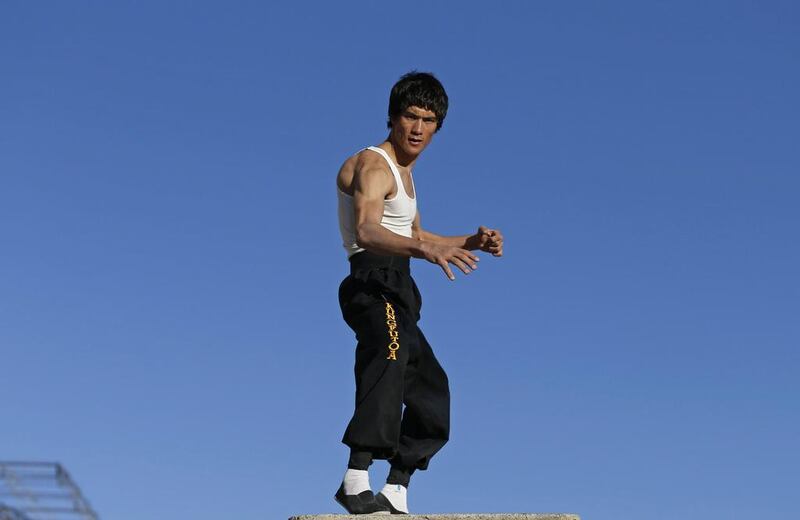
361, 504
382, 500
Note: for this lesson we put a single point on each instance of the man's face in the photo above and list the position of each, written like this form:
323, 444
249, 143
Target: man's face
413, 129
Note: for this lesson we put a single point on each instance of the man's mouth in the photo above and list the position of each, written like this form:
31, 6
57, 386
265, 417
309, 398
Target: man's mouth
415, 140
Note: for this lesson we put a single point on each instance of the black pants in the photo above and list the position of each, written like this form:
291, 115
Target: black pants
395, 366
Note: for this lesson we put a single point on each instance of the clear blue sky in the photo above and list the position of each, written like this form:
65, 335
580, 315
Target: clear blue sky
169, 328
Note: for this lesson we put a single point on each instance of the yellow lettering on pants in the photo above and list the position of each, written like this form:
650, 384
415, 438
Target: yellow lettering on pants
394, 336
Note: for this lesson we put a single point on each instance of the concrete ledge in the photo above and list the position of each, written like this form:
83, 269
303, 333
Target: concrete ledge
472, 516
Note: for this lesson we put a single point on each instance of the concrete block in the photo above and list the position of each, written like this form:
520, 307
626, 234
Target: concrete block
459, 516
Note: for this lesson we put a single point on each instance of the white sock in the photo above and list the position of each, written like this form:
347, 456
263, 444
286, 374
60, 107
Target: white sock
355, 481
397, 495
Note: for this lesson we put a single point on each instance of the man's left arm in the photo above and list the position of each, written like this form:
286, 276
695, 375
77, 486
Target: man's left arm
485, 239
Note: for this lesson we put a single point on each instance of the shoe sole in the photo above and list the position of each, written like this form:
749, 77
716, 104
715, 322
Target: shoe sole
349, 513
388, 504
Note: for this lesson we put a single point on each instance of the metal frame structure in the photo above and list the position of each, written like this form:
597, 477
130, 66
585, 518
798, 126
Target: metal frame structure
41, 491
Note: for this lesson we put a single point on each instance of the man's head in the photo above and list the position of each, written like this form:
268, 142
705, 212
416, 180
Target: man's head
419, 89
417, 108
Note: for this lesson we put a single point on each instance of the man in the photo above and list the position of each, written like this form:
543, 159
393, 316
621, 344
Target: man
395, 365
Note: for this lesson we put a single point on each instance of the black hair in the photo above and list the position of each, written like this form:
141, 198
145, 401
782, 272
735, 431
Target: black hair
420, 89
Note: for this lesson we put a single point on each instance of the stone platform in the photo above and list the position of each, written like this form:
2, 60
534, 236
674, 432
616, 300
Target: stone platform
459, 516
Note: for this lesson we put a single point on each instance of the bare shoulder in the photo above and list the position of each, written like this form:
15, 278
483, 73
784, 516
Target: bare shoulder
364, 168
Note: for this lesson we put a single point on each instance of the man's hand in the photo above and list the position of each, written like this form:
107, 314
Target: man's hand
443, 255
489, 240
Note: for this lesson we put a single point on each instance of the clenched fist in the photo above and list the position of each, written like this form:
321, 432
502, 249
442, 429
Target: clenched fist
489, 240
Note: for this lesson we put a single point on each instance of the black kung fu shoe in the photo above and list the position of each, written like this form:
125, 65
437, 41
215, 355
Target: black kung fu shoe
382, 500
361, 504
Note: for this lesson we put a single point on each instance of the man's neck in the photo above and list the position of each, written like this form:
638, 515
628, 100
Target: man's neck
398, 156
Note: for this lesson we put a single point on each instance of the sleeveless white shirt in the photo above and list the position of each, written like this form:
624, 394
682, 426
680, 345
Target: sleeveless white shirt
398, 212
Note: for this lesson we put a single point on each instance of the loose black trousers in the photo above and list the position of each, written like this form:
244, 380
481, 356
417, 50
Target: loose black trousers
395, 366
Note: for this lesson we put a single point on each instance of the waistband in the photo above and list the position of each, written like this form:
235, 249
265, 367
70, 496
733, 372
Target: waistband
367, 260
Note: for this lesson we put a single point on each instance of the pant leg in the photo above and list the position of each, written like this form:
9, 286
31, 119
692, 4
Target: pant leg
425, 426
386, 334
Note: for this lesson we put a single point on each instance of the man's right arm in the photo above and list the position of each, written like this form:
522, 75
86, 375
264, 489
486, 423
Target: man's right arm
370, 187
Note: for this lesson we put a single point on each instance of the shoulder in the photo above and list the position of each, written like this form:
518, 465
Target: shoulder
364, 168
370, 160
349, 164
365, 160
369, 166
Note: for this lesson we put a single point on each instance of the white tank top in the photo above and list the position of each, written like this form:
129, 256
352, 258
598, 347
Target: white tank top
398, 212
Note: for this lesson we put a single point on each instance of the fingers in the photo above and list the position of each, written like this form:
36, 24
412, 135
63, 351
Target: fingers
461, 265
496, 247
469, 258
465, 260
446, 269
494, 235
494, 244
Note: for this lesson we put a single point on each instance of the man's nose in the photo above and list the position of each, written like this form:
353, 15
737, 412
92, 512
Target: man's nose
417, 128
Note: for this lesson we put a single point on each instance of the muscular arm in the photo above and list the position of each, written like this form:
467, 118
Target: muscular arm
489, 240
370, 187
468, 242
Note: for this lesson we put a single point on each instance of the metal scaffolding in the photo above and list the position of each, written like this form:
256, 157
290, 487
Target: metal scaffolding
40, 491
